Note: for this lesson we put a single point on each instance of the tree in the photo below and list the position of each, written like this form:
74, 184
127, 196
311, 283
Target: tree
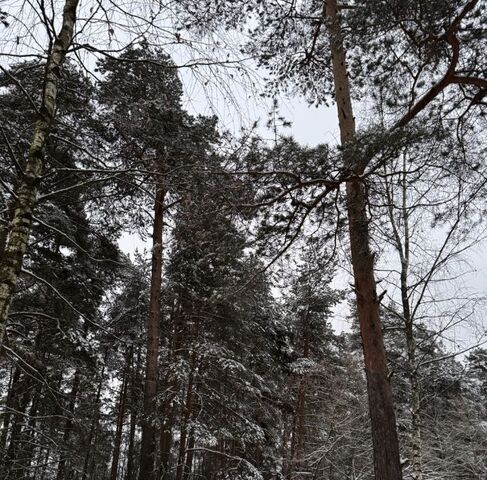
275, 37
409, 200
27, 188
216, 358
155, 119
309, 306
67, 271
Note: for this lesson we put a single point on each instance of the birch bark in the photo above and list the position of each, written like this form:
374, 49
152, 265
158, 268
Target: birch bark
403, 247
26, 194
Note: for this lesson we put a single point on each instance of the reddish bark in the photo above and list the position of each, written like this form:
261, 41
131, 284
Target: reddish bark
383, 422
148, 442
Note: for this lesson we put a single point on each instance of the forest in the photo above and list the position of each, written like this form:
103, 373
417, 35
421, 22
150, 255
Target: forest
191, 290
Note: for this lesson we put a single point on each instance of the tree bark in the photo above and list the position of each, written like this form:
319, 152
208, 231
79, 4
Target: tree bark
10, 404
299, 426
417, 469
415, 406
298, 436
188, 466
26, 193
91, 436
119, 430
44, 466
29, 433
61, 472
403, 247
94, 422
130, 474
171, 387
188, 412
286, 450
168, 413
417, 473
21, 400
148, 442
387, 463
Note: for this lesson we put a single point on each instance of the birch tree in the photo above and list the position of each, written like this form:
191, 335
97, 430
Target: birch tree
411, 195
26, 193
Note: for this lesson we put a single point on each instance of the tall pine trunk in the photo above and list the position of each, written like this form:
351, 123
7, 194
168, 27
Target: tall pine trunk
94, 423
21, 399
186, 418
120, 419
148, 442
188, 466
68, 427
26, 194
12, 396
299, 425
387, 463
29, 434
171, 387
130, 473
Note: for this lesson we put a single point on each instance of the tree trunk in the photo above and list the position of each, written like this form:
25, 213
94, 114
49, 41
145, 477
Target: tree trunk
44, 466
5, 221
286, 450
61, 472
417, 473
298, 434
168, 408
168, 413
188, 466
417, 470
29, 433
299, 426
10, 404
26, 193
131, 471
20, 402
403, 247
188, 410
119, 430
387, 463
94, 423
148, 442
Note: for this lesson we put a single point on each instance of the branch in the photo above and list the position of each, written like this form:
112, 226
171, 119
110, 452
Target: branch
452, 355
449, 76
